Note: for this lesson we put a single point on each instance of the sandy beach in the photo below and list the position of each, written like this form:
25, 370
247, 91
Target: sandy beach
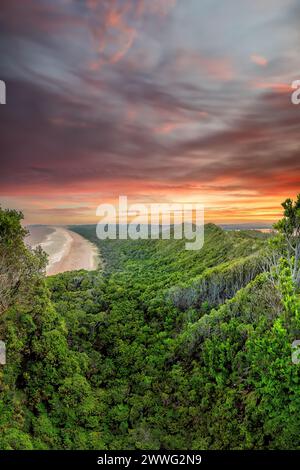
67, 251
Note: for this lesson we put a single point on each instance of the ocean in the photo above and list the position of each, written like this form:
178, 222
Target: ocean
66, 250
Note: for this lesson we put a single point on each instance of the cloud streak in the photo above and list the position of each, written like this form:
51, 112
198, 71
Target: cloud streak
112, 97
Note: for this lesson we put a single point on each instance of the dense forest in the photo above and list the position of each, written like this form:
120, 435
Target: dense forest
161, 348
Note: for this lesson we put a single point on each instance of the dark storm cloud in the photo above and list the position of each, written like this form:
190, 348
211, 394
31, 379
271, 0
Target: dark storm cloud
106, 90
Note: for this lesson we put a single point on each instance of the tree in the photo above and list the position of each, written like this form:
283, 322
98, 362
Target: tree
282, 258
289, 233
18, 264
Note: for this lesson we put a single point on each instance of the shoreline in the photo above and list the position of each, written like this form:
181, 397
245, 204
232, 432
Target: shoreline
78, 253
66, 250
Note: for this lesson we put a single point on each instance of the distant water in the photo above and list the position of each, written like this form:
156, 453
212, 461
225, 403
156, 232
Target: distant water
55, 241
67, 251
238, 227
38, 234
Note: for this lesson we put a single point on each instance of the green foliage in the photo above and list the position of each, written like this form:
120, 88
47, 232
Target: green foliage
290, 296
18, 265
162, 349
291, 220
288, 239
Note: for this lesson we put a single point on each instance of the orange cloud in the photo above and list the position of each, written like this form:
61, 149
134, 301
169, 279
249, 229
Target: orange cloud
113, 33
220, 206
167, 127
217, 68
182, 121
259, 60
276, 87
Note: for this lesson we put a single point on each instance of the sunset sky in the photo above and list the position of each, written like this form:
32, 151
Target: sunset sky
159, 100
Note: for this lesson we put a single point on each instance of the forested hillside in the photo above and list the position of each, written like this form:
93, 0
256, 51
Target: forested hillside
162, 348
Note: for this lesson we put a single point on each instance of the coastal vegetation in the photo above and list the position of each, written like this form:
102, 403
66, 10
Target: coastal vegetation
161, 348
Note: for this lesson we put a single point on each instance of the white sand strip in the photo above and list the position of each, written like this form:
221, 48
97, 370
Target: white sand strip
76, 253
